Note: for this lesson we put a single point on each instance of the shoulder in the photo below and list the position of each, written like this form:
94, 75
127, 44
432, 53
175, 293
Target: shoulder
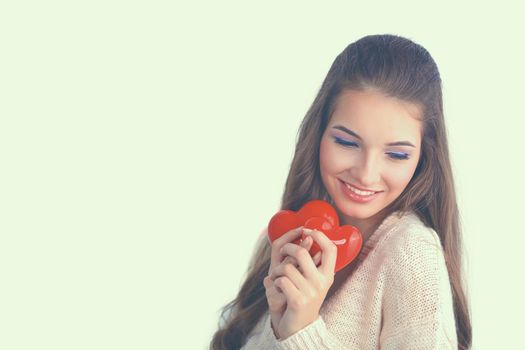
415, 261
417, 293
414, 258
410, 236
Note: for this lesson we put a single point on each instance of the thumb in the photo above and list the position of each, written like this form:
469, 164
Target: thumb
307, 243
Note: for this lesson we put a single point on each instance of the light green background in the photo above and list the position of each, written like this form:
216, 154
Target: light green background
145, 144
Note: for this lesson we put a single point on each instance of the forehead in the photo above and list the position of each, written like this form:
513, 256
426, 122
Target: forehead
374, 115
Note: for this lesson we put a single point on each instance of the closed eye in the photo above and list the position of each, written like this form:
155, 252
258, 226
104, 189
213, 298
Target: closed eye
398, 155
350, 144
344, 143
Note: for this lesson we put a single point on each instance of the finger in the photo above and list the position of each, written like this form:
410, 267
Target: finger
270, 286
290, 260
278, 270
271, 289
267, 282
329, 252
288, 288
317, 258
306, 244
302, 256
276, 299
289, 236
292, 273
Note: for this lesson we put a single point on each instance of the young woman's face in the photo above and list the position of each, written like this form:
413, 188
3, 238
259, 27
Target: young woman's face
372, 143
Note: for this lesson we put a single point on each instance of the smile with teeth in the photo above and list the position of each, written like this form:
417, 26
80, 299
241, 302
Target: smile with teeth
359, 192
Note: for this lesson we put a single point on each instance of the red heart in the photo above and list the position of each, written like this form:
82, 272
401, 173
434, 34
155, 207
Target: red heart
321, 216
286, 220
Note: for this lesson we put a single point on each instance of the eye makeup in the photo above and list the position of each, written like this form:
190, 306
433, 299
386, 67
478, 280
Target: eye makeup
399, 155
350, 144
344, 142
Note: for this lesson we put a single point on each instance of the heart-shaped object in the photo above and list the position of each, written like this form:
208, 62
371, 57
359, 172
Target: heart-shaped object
321, 216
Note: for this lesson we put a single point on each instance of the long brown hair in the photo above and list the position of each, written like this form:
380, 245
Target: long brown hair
400, 68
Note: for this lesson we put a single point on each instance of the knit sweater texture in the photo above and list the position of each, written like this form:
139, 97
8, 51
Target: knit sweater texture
398, 297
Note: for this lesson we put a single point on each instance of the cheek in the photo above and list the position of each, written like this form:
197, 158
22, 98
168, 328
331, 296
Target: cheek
400, 177
329, 160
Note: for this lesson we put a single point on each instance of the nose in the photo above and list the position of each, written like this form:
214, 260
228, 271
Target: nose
367, 171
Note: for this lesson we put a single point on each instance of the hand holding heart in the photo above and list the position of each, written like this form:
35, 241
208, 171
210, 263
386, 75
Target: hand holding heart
276, 298
295, 297
319, 215
296, 286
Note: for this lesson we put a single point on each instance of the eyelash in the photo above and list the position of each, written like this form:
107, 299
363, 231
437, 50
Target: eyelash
396, 156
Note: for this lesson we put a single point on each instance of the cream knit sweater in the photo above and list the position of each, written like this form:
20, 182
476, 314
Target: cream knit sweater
398, 297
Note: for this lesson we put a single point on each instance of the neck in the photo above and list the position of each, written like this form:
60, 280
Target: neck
366, 226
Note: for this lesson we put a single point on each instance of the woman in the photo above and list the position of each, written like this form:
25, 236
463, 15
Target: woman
373, 144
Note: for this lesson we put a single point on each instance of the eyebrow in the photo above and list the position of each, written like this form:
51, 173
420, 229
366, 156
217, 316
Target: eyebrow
350, 132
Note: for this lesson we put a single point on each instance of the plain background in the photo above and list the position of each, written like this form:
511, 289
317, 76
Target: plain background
145, 144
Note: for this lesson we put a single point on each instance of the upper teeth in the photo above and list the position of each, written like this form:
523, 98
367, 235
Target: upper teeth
359, 192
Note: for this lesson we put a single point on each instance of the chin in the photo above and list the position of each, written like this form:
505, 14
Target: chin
354, 211
359, 211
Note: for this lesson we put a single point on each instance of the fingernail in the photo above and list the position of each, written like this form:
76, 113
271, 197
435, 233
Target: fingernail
307, 230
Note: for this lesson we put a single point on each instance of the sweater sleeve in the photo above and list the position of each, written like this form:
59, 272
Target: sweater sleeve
312, 337
417, 303
315, 336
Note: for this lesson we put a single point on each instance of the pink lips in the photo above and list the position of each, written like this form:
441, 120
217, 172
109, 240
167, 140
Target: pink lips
354, 196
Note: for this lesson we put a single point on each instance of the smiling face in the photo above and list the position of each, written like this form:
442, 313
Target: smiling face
372, 142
